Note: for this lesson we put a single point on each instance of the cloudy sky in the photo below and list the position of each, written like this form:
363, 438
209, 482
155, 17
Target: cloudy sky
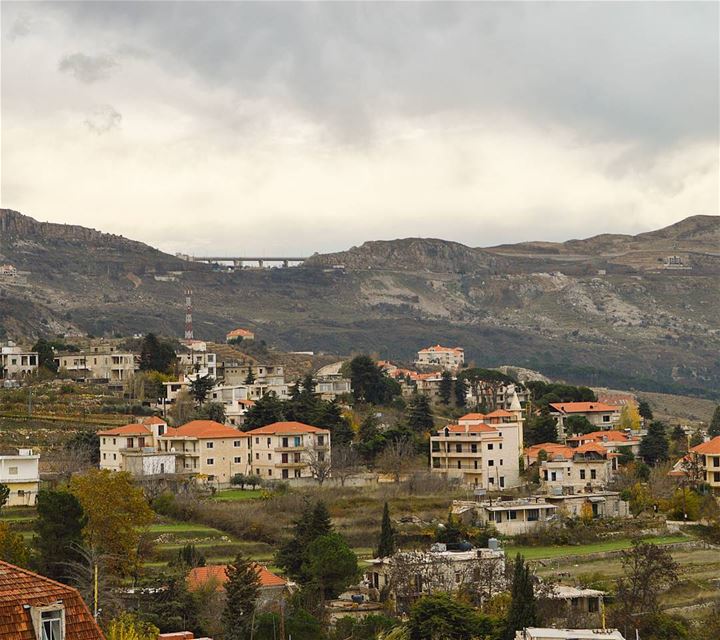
237, 128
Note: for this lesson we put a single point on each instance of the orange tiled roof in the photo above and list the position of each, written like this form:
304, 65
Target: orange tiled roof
599, 436
237, 333
127, 430
500, 413
437, 347
286, 427
204, 429
470, 428
153, 420
583, 407
711, 447
591, 446
200, 575
551, 448
473, 416
19, 587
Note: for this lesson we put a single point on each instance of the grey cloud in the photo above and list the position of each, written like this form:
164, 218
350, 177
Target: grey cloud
642, 72
21, 26
103, 119
88, 69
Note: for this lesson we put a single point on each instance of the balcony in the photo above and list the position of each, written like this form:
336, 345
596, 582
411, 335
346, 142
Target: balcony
289, 449
289, 465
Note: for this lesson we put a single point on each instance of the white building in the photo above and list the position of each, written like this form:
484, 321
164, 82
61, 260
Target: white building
330, 382
21, 474
195, 358
511, 517
449, 358
288, 450
16, 363
536, 633
99, 364
604, 416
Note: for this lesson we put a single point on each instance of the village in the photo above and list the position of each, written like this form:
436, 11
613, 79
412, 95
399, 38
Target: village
357, 495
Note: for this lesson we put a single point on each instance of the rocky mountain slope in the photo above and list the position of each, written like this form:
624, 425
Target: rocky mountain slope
634, 311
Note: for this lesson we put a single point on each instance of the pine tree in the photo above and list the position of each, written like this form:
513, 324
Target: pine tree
446, 387
654, 446
714, 428
644, 410
541, 428
522, 604
419, 415
241, 593
386, 544
313, 523
250, 379
460, 389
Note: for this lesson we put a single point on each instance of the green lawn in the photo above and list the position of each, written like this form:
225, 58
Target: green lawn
238, 494
536, 553
183, 527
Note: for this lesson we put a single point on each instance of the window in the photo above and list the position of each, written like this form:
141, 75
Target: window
114, 456
257, 440
501, 464
458, 448
285, 474
475, 463
606, 418
297, 473
298, 441
13, 471
237, 460
716, 462
490, 447
285, 442
491, 463
502, 481
436, 463
209, 445
269, 441
500, 446
51, 625
257, 456
269, 456
491, 480
593, 474
473, 448
237, 443
582, 474
459, 464
553, 476
512, 515
104, 456
113, 440
210, 461
269, 472
533, 515
103, 440
321, 440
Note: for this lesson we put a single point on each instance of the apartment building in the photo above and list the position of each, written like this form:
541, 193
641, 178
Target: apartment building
586, 468
234, 399
482, 450
285, 450
20, 473
537, 633
235, 373
330, 382
111, 366
511, 517
707, 456
448, 358
613, 441
598, 413
16, 362
194, 358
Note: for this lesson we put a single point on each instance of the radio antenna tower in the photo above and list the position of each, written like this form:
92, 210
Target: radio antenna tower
188, 314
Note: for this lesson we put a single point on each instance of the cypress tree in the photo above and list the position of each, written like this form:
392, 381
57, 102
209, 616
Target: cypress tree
460, 389
241, 593
714, 428
522, 604
419, 415
313, 523
446, 387
386, 544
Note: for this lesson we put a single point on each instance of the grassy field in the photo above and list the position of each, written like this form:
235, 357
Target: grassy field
549, 552
238, 494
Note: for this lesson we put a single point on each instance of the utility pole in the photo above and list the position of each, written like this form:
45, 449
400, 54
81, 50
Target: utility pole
29, 401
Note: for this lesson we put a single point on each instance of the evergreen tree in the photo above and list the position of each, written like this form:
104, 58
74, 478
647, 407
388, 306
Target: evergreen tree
460, 390
46, 355
330, 564
241, 593
189, 556
250, 379
714, 428
419, 416
58, 527
370, 441
541, 428
654, 446
644, 410
313, 523
201, 386
266, 410
386, 544
446, 387
522, 603
369, 383
156, 355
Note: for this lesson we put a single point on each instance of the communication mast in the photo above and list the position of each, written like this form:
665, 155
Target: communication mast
188, 314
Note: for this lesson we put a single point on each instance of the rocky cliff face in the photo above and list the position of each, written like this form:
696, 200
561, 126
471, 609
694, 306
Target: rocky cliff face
605, 310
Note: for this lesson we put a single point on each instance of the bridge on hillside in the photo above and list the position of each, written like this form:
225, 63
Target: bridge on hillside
238, 262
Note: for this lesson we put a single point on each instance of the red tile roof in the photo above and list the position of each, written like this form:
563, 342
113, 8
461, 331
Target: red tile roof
153, 420
551, 448
204, 429
239, 333
437, 347
286, 427
500, 413
200, 575
583, 407
19, 587
473, 416
469, 428
127, 430
711, 447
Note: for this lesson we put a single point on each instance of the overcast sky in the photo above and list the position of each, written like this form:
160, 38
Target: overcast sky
237, 128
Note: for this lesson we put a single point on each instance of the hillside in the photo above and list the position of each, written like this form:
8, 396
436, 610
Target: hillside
603, 311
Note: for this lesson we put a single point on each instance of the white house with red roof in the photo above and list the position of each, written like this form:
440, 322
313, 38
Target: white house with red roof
613, 441
482, 450
597, 413
449, 358
273, 589
704, 460
288, 450
239, 334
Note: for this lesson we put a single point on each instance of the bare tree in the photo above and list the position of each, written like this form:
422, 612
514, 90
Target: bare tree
183, 408
398, 458
692, 465
319, 464
345, 462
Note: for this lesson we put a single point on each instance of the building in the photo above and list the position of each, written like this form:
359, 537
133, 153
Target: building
16, 363
8, 271
613, 441
564, 469
536, 633
330, 382
20, 473
239, 334
235, 373
33, 607
101, 364
482, 450
511, 517
449, 358
234, 399
597, 413
703, 461
408, 575
194, 358
602, 504
288, 450
273, 589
